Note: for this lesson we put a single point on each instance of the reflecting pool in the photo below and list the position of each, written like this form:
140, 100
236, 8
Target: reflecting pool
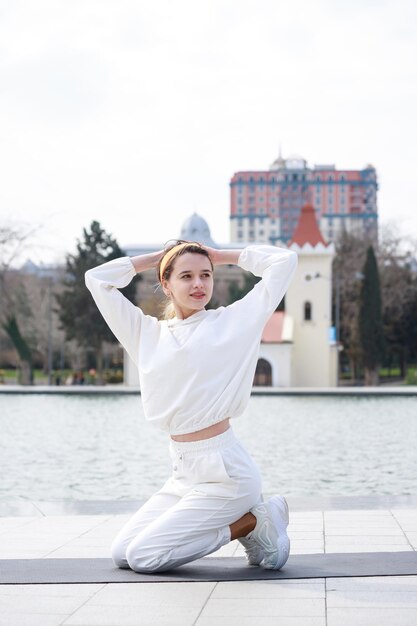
100, 446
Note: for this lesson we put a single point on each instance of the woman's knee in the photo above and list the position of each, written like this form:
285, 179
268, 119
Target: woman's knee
141, 559
118, 554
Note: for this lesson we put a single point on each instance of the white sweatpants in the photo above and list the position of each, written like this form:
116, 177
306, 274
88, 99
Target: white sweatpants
214, 482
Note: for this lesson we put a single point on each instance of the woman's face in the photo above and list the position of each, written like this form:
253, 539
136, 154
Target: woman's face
190, 285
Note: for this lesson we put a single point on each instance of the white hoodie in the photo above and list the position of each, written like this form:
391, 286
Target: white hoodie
195, 372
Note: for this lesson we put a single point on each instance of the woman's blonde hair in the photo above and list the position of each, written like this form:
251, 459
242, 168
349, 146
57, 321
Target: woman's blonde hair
168, 310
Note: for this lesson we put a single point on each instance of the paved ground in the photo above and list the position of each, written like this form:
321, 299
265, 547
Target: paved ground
32, 530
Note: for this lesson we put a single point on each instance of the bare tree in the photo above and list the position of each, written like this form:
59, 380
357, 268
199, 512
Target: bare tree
12, 296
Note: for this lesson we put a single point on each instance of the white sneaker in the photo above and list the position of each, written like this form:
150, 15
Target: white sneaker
271, 531
253, 551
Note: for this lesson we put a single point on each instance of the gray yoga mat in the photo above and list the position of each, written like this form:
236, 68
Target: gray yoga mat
44, 571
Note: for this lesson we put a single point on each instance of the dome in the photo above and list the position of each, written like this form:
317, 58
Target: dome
195, 228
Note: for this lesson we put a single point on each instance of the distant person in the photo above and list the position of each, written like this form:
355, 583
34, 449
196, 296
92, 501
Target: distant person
196, 368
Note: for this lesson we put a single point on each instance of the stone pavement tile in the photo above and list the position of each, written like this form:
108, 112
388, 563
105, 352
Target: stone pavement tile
268, 589
41, 605
70, 523
153, 594
354, 548
266, 621
95, 537
412, 538
404, 512
361, 523
297, 551
315, 526
255, 607
31, 619
366, 540
40, 591
26, 539
22, 553
306, 515
408, 524
305, 534
298, 546
374, 615
368, 599
363, 530
362, 513
55, 605
11, 523
76, 552
373, 583
156, 615
379, 592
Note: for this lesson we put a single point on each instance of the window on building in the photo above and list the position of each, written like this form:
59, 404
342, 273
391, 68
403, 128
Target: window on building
240, 234
261, 233
307, 311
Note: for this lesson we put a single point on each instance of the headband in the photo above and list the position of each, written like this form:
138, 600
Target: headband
166, 258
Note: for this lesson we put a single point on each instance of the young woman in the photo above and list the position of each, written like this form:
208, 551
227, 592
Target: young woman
196, 369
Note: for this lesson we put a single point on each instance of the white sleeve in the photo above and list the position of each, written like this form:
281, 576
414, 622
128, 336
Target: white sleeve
124, 319
276, 266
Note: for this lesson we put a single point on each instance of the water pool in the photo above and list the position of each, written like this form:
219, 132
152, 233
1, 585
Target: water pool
100, 447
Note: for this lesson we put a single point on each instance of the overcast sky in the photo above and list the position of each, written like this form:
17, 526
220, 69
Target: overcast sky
138, 113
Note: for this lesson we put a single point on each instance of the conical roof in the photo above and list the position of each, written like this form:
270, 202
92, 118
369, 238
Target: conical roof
307, 229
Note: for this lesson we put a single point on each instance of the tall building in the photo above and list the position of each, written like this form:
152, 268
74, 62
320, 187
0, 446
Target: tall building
265, 205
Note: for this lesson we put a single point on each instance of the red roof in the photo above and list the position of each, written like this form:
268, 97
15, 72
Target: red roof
272, 332
307, 229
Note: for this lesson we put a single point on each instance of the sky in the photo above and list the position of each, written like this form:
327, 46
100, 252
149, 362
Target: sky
137, 113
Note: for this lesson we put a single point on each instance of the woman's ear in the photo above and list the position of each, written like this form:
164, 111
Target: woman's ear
166, 288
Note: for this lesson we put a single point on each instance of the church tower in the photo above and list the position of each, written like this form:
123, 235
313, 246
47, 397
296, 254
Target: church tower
308, 302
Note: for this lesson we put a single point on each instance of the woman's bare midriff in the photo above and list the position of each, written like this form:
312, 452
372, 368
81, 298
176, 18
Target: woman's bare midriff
205, 433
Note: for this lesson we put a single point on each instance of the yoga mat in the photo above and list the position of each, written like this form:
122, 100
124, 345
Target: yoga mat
56, 571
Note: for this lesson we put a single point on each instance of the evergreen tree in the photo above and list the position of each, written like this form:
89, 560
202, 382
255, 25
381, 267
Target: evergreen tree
78, 313
370, 319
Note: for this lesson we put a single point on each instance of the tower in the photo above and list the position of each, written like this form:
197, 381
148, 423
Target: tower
308, 302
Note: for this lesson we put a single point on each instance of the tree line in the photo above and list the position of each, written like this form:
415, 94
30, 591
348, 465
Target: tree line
374, 295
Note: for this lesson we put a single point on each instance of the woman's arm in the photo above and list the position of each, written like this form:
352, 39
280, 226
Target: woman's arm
223, 257
276, 266
145, 262
124, 318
